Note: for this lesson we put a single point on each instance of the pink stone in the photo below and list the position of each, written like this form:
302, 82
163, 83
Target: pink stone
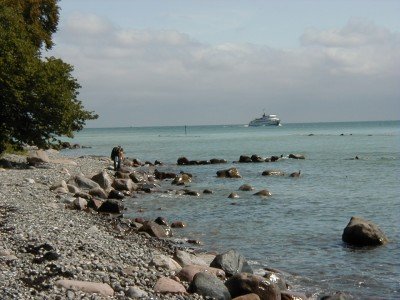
168, 285
86, 286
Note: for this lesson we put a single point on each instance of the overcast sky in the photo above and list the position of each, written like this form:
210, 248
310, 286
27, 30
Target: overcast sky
150, 63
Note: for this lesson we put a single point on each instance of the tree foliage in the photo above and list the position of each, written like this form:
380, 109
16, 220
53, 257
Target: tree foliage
38, 97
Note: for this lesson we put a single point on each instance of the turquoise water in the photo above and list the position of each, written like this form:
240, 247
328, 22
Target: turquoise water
299, 228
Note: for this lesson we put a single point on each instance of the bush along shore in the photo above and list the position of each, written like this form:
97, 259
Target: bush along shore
63, 237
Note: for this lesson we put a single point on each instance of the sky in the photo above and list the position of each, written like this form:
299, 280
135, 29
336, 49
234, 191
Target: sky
187, 62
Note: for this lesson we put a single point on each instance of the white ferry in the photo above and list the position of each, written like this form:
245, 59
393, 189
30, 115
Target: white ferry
266, 120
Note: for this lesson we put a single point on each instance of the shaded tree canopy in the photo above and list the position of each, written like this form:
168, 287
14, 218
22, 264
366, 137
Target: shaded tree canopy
38, 97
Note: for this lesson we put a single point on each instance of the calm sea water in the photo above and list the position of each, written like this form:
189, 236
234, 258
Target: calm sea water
299, 228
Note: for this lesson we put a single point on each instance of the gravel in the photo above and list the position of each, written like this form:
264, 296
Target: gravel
41, 241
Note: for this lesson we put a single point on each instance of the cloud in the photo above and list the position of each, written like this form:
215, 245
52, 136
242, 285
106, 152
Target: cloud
357, 32
164, 77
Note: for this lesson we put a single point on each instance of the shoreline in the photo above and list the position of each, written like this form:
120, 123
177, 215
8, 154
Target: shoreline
79, 245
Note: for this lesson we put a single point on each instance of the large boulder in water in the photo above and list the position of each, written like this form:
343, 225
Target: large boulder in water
244, 283
232, 262
246, 187
229, 173
257, 158
182, 161
360, 232
245, 159
297, 156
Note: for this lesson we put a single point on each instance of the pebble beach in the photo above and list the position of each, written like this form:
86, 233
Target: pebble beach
42, 242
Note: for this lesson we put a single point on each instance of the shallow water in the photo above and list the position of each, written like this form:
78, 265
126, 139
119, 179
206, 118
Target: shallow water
298, 229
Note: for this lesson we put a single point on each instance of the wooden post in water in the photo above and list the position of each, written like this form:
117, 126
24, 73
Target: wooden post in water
185, 130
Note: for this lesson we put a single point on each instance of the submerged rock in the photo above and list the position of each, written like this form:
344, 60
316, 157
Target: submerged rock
229, 173
273, 173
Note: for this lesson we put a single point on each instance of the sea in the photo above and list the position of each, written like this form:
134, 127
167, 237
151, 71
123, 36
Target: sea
298, 229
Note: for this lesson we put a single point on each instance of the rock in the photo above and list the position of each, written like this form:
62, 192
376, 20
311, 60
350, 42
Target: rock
207, 191
163, 175
161, 221
217, 161
86, 286
111, 206
191, 193
135, 293
360, 232
229, 173
114, 194
103, 179
37, 157
233, 195
257, 159
182, 179
232, 262
80, 203
188, 272
291, 295
245, 159
73, 189
186, 259
263, 193
95, 203
273, 158
276, 278
208, 285
61, 190
62, 184
149, 187
250, 296
182, 161
83, 182
124, 185
178, 224
295, 174
98, 192
244, 283
168, 285
246, 187
163, 261
296, 156
122, 175
273, 173
154, 229
137, 177
83, 195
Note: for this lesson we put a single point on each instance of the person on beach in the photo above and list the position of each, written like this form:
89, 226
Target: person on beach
117, 155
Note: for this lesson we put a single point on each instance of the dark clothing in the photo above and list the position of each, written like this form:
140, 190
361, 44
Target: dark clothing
114, 152
116, 157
